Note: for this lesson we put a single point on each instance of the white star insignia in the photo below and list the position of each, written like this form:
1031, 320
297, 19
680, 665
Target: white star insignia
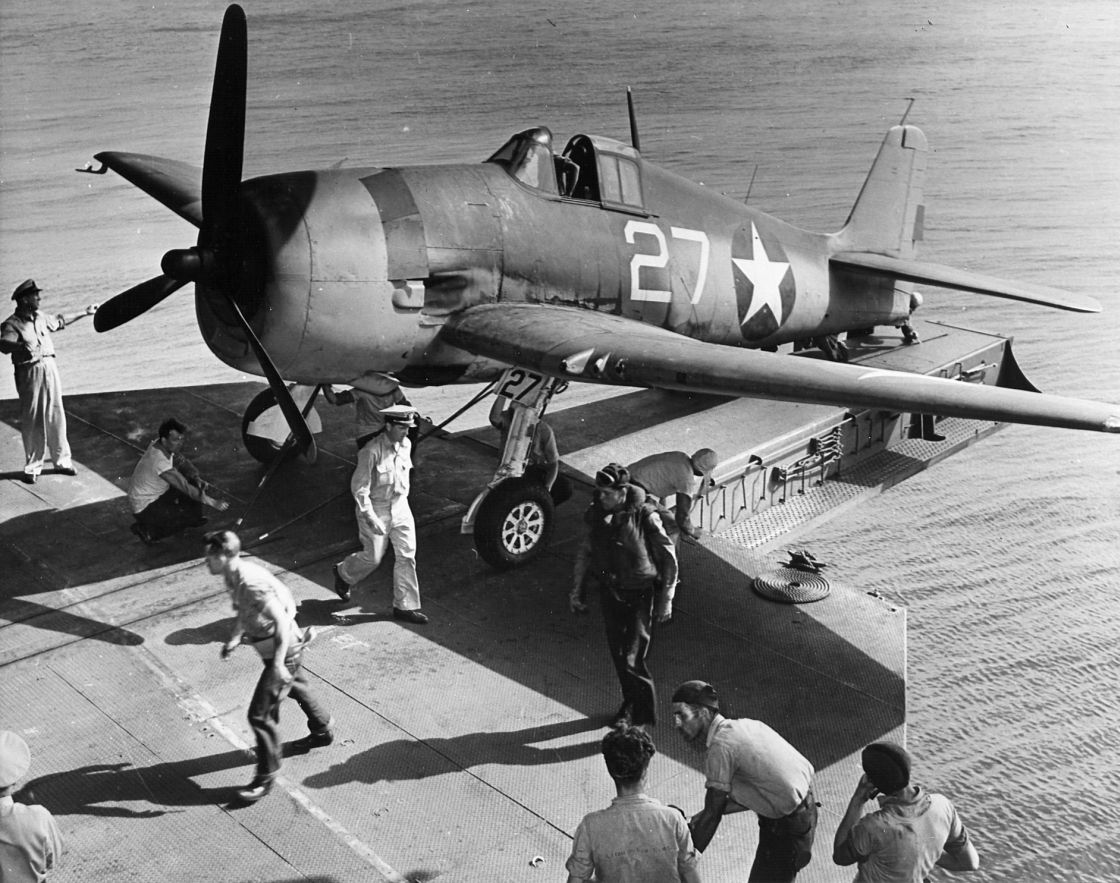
766, 276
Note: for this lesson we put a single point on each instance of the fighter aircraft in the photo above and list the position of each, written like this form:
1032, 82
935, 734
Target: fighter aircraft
588, 263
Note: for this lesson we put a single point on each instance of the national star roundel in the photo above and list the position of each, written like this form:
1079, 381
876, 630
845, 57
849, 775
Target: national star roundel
764, 285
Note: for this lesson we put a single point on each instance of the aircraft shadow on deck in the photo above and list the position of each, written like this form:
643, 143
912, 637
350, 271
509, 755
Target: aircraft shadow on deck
515, 624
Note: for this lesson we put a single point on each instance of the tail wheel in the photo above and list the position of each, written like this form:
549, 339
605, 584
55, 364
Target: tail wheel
514, 523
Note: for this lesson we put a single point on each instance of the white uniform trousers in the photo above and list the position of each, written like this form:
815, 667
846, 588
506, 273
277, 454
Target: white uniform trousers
397, 517
42, 418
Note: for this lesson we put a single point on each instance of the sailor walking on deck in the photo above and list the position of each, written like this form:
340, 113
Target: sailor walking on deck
629, 556
380, 486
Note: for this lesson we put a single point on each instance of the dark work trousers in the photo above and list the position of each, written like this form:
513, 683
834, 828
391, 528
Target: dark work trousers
785, 845
169, 514
627, 615
264, 712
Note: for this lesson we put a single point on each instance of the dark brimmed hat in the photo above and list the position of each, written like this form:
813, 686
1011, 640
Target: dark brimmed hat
613, 475
887, 765
401, 415
697, 693
27, 286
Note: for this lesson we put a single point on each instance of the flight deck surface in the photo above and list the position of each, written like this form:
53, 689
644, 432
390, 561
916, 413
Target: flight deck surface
466, 748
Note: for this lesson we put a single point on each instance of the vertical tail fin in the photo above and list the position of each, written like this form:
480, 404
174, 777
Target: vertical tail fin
887, 216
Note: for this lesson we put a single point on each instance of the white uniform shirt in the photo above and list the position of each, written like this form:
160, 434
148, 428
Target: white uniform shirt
30, 338
147, 485
382, 473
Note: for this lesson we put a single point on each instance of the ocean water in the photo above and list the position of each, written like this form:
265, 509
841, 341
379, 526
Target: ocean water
1007, 556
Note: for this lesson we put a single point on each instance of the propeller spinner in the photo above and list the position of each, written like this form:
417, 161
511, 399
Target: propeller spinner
216, 259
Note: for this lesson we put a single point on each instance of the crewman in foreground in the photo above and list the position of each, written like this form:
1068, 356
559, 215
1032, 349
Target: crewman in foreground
637, 838
30, 842
265, 617
380, 486
912, 831
25, 336
166, 493
749, 766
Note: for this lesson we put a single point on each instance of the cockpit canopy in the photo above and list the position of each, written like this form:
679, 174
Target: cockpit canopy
591, 168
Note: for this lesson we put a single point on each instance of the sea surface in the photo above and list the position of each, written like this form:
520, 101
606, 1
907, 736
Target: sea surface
1007, 556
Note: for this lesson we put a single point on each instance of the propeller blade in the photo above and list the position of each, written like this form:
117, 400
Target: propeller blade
296, 422
225, 132
139, 299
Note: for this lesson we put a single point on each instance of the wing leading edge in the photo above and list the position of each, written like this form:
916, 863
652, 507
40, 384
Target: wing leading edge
599, 348
178, 185
942, 276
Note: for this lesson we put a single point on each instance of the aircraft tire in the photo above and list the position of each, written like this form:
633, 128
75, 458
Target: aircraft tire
262, 450
514, 523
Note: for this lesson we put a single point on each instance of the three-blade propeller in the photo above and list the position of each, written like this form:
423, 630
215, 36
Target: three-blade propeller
216, 259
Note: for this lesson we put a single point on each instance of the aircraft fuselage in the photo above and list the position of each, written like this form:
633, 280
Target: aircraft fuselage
350, 267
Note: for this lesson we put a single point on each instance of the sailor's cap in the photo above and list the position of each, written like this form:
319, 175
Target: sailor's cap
27, 286
704, 461
404, 415
15, 758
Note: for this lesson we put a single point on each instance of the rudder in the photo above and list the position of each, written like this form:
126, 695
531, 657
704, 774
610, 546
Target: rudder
888, 214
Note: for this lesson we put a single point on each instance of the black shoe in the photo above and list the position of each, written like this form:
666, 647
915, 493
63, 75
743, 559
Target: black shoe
65, 470
341, 587
30, 478
142, 532
254, 791
413, 616
310, 741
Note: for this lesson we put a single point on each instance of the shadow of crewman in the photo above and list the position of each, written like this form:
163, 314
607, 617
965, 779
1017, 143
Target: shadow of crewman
404, 759
108, 789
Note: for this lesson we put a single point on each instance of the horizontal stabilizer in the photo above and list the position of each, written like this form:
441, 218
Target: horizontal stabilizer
963, 280
576, 344
178, 185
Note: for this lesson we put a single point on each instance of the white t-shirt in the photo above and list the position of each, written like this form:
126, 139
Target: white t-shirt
147, 485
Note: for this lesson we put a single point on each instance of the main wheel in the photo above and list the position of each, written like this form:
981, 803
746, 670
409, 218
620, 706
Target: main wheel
263, 450
514, 523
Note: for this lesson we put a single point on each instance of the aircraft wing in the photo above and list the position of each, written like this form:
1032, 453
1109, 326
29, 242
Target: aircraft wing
578, 344
178, 185
963, 280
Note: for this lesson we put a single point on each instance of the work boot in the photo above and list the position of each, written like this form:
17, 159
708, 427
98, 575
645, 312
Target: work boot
413, 616
312, 740
254, 791
341, 587
142, 533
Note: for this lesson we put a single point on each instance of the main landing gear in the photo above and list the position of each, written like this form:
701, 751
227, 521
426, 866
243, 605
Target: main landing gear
512, 519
